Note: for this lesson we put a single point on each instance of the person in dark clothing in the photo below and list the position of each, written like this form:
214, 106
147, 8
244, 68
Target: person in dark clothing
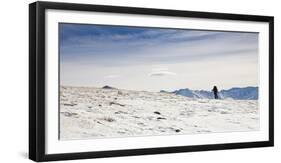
215, 91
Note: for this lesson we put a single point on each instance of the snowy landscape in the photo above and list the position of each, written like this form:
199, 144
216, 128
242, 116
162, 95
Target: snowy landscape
91, 112
126, 81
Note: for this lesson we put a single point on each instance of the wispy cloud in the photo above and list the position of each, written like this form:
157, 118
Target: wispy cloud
161, 71
113, 76
105, 44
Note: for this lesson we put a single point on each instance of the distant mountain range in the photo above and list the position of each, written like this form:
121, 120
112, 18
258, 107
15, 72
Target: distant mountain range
246, 93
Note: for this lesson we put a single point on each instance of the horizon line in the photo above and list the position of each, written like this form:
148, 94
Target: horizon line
152, 91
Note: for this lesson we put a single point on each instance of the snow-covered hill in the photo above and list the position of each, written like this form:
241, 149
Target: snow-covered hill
108, 112
246, 93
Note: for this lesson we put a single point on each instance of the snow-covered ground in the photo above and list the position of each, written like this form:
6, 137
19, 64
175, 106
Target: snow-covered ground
89, 112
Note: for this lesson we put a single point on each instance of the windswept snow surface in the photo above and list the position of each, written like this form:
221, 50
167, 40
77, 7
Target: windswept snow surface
89, 112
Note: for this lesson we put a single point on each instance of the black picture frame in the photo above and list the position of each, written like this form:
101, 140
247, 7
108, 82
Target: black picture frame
37, 80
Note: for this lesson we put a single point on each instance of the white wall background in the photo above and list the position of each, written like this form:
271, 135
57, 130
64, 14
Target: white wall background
14, 79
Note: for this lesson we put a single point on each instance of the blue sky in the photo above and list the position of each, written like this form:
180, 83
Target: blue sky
156, 58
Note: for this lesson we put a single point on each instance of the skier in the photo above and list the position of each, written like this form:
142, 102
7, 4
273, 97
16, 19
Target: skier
215, 91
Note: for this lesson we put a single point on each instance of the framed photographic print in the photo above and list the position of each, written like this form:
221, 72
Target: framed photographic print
111, 81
